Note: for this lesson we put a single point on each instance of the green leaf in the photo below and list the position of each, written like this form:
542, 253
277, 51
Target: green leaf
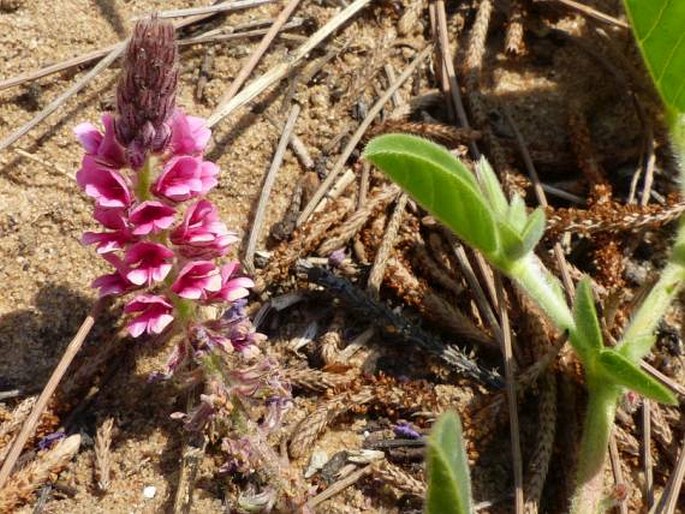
658, 26
440, 183
587, 337
517, 215
492, 189
534, 230
511, 243
449, 482
624, 372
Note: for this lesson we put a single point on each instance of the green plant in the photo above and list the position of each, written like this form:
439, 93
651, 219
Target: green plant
449, 482
476, 209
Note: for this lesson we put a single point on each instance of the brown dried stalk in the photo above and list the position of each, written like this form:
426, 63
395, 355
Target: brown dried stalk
103, 456
399, 479
316, 380
376, 201
331, 340
513, 39
24, 482
612, 217
389, 240
307, 431
546, 429
410, 21
440, 133
10, 426
305, 239
406, 285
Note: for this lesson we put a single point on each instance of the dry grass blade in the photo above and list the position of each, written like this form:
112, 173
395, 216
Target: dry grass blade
258, 53
594, 13
669, 499
339, 486
513, 39
103, 456
32, 421
647, 451
510, 385
539, 462
356, 137
381, 261
57, 102
399, 479
280, 71
22, 484
378, 200
210, 9
316, 380
615, 459
266, 188
10, 426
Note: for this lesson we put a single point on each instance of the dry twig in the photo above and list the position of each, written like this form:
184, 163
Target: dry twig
24, 482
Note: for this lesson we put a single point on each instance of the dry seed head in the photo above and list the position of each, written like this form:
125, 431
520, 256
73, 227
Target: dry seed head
146, 93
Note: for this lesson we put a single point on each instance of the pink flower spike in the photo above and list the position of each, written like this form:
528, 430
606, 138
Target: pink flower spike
112, 284
208, 174
107, 241
232, 288
148, 263
155, 314
105, 185
103, 147
112, 218
180, 179
151, 217
201, 234
189, 135
196, 279
89, 137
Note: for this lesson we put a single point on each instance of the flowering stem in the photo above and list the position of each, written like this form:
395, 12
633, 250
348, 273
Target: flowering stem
144, 179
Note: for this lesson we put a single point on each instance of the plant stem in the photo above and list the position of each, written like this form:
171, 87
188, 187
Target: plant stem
536, 280
599, 420
638, 338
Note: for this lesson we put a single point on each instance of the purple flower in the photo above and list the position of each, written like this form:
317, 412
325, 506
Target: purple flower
185, 177
201, 234
155, 314
148, 263
103, 147
112, 218
105, 185
189, 135
232, 287
114, 283
196, 279
151, 217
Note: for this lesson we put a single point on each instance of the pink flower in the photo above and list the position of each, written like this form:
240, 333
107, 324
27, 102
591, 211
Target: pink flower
196, 279
232, 288
104, 147
148, 263
189, 135
115, 283
201, 234
105, 185
185, 177
155, 314
151, 217
115, 219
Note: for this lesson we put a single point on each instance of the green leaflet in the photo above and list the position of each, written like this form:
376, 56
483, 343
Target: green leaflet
624, 372
587, 338
449, 482
440, 183
658, 26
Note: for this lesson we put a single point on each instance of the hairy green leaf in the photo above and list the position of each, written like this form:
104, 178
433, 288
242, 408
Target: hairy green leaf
489, 184
449, 482
517, 215
440, 183
624, 372
534, 230
587, 337
659, 29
